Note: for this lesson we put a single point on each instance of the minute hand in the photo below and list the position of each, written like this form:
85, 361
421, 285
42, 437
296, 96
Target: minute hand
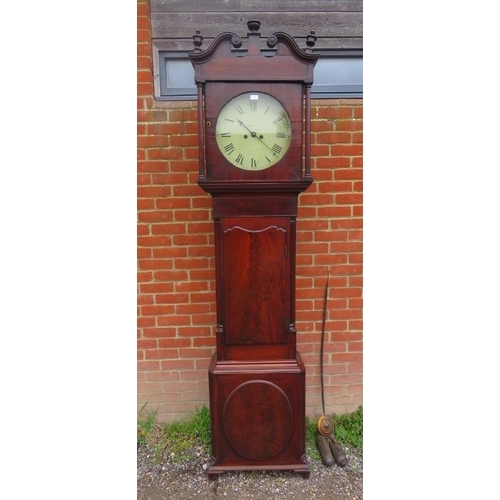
254, 134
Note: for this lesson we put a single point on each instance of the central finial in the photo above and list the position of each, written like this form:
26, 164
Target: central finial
253, 26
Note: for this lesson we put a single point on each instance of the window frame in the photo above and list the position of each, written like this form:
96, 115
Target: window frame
189, 93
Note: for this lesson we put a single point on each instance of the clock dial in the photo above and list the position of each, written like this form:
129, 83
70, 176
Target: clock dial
253, 131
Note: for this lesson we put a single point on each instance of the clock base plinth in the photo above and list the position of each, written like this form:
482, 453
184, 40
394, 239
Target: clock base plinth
258, 416
302, 469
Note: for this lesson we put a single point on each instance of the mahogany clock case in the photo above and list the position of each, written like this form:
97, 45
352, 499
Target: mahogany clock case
258, 416
256, 375
217, 95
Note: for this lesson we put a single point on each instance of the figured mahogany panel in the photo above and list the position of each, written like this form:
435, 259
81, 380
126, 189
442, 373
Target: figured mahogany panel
255, 280
258, 420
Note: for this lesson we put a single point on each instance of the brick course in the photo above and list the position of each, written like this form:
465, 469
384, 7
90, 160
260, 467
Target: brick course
176, 275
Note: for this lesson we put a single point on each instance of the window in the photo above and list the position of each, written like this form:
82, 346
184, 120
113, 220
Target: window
176, 77
338, 73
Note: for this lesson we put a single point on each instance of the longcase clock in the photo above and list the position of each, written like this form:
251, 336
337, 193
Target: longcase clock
254, 142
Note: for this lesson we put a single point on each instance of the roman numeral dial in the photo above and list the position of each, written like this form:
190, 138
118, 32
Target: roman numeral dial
253, 131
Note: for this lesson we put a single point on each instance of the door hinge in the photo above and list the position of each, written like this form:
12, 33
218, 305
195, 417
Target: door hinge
286, 251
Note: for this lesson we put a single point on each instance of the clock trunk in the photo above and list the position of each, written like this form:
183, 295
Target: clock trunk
255, 257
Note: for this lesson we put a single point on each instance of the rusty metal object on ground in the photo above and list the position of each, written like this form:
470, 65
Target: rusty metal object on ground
338, 453
324, 450
325, 426
331, 452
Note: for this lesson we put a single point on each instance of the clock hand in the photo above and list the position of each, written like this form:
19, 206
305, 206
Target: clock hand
241, 123
254, 134
270, 149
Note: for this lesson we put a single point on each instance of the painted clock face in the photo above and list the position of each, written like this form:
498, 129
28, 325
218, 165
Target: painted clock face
253, 131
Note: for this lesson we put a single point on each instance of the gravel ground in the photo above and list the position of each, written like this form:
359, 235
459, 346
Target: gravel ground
189, 480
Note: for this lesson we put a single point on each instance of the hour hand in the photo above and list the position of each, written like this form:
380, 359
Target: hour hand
253, 134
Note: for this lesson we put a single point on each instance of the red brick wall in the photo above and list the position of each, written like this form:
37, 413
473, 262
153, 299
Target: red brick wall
176, 277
